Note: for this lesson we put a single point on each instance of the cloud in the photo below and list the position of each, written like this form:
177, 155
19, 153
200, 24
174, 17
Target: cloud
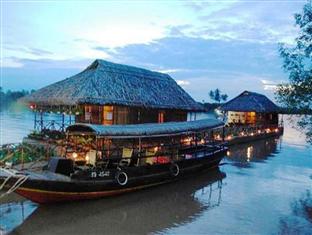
270, 85
259, 21
28, 50
183, 82
208, 6
186, 54
45, 63
168, 70
197, 64
200, 65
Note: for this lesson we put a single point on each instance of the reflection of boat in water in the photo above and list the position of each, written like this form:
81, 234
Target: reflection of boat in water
143, 212
256, 151
108, 160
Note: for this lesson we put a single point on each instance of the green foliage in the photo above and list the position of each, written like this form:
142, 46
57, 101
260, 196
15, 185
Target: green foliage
297, 62
22, 153
47, 134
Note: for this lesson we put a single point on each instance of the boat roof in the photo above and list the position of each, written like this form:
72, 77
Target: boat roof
146, 129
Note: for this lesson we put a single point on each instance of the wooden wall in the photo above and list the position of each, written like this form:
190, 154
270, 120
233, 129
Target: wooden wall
108, 115
252, 118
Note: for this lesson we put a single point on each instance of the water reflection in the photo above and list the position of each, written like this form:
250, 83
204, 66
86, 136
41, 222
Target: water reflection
143, 212
300, 222
258, 151
12, 214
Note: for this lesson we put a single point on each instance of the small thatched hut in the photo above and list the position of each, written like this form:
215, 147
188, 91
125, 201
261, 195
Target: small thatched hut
251, 108
109, 93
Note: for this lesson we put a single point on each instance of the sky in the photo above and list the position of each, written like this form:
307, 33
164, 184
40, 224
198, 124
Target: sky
203, 45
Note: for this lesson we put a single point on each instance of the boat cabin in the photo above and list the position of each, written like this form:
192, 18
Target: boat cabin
141, 144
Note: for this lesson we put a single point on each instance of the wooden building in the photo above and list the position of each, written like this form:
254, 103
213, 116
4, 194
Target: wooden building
109, 93
250, 108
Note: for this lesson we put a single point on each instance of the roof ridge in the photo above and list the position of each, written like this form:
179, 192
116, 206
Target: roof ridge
111, 67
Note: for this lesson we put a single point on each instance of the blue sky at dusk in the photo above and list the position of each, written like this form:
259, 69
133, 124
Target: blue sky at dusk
232, 45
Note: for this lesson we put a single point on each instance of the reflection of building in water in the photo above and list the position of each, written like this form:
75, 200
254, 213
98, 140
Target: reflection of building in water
254, 151
142, 212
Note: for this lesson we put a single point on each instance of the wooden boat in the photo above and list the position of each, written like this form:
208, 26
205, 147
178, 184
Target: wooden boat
101, 161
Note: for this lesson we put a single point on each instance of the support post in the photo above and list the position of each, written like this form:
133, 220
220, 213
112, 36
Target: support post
140, 147
63, 122
41, 120
35, 119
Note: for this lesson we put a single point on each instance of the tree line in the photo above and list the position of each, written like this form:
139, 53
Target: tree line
7, 97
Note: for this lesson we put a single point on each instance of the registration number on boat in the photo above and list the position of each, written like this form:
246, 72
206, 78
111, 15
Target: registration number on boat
95, 174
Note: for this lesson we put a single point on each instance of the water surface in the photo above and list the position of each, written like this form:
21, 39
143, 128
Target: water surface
264, 187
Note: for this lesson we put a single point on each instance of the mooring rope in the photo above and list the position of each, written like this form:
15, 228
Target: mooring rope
12, 173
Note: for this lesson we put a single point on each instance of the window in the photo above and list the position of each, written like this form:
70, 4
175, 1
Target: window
108, 115
121, 115
161, 116
88, 112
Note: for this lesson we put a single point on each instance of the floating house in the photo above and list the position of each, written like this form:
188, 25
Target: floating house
131, 132
250, 116
251, 108
107, 93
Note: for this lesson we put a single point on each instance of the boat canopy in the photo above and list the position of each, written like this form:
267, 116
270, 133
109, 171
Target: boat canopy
146, 129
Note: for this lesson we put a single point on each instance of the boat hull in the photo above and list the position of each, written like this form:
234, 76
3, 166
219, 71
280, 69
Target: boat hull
50, 191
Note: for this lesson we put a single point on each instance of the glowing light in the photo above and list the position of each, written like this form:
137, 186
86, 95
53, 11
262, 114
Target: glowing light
187, 140
252, 134
75, 155
228, 153
276, 130
259, 131
87, 158
249, 152
217, 137
242, 133
202, 141
156, 149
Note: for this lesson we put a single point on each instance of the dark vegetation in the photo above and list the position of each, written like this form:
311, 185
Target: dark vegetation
296, 94
217, 96
8, 97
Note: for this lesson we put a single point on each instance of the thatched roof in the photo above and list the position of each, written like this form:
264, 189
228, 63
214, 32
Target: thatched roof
105, 82
250, 102
146, 129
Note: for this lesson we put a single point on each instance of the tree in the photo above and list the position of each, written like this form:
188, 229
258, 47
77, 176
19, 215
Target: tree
217, 96
211, 94
297, 62
224, 97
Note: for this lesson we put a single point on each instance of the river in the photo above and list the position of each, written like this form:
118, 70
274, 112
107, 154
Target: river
264, 187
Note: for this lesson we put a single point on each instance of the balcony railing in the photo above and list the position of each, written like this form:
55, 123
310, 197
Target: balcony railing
232, 132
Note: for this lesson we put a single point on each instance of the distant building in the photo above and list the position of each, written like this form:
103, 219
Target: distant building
109, 93
250, 108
